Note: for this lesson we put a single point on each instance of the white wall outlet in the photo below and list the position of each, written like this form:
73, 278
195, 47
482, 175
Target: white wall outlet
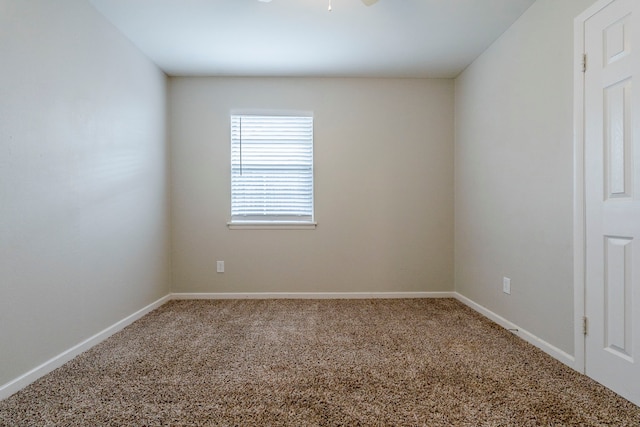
220, 266
506, 285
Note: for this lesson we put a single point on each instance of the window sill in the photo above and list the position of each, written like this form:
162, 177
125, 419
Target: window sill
271, 225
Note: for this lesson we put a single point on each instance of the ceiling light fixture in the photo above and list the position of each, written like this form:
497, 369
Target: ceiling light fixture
366, 3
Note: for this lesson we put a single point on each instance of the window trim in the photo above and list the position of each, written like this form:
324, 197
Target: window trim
276, 224
271, 225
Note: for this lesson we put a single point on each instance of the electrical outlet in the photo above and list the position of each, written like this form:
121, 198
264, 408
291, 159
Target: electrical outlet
506, 285
220, 266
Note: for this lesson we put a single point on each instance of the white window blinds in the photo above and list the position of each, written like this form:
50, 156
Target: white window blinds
271, 169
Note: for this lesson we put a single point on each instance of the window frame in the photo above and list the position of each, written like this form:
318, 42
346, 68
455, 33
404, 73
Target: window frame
273, 222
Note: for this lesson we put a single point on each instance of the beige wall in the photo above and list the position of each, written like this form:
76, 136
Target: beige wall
84, 227
83, 184
383, 187
514, 173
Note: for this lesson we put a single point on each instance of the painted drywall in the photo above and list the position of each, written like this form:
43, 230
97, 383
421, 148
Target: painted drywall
84, 224
514, 173
383, 151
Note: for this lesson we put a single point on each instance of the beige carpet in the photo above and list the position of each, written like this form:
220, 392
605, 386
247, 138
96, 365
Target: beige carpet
315, 363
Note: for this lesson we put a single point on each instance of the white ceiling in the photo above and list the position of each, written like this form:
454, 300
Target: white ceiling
394, 38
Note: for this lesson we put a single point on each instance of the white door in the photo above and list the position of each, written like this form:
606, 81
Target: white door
612, 196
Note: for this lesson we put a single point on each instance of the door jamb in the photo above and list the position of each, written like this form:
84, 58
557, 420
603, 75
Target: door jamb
579, 207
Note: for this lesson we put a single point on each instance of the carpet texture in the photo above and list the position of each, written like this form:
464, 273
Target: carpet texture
413, 362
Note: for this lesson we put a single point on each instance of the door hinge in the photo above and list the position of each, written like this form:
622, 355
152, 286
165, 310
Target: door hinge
585, 325
584, 62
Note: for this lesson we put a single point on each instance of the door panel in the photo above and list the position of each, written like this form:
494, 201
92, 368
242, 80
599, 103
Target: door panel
618, 310
612, 166
618, 139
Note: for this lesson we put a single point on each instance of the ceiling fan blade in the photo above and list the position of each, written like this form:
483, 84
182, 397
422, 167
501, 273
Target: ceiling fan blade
369, 2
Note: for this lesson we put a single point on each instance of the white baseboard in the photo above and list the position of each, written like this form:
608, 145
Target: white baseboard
24, 380
551, 350
313, 295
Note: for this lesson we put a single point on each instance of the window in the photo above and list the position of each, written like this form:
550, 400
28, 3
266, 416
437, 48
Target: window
271, 170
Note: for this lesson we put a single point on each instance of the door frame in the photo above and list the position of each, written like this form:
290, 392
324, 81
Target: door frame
579, 206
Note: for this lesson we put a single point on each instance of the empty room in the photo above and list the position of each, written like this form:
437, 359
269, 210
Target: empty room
319, 212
